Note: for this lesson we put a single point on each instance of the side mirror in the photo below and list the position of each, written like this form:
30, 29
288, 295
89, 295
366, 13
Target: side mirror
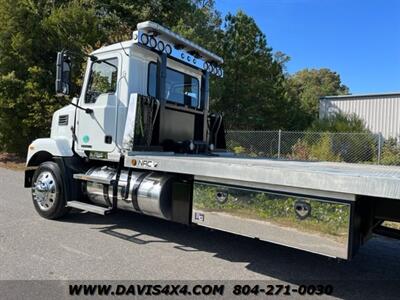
63, 73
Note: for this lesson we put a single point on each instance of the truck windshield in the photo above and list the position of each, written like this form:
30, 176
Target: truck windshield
180, 88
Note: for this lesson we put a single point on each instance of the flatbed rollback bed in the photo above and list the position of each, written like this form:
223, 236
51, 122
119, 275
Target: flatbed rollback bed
140, 137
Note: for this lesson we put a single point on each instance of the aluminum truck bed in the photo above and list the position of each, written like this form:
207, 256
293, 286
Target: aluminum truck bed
310, 178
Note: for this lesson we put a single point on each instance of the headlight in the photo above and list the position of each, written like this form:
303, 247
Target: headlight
153, 42
209, 67
212, 69
168, 49
144, 39
160, 46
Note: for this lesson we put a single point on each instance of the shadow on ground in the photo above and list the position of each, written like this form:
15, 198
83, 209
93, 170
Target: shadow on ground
373, 272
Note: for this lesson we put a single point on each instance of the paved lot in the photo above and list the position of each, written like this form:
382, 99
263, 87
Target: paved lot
130, 246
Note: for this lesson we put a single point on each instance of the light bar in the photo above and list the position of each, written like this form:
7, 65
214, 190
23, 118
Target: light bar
161, 39
175, 38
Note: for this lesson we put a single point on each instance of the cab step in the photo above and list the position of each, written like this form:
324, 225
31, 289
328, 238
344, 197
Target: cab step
96, 179
90, 207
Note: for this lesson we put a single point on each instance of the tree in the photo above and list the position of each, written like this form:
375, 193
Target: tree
251, 94
304, 89
125, 14
339, 123
31, 32
202, 25
254, 93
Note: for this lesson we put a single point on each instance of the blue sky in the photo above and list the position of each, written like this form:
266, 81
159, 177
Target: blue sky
359, 39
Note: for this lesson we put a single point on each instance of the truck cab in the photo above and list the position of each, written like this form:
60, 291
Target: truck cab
146, 94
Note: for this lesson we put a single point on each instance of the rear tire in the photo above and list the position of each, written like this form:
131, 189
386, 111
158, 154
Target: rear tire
48, 194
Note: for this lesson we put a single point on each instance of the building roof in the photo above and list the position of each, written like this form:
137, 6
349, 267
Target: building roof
391, 94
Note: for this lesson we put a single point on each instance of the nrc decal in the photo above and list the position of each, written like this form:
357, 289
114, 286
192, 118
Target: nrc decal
144, 163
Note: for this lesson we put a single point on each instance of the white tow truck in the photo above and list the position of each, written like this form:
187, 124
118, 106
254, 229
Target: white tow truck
140, 137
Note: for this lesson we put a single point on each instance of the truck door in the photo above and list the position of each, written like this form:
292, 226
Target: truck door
96, 131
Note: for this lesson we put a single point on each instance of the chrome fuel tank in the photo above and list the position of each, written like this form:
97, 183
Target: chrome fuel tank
145, 192
154, 195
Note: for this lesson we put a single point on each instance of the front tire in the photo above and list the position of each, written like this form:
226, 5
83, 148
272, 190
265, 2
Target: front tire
48, 193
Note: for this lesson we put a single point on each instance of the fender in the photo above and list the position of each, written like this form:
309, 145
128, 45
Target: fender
59, 147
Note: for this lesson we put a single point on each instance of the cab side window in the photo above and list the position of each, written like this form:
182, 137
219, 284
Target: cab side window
103, 79
180, 88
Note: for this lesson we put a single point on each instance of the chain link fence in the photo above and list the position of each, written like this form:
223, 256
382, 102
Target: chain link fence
315, 146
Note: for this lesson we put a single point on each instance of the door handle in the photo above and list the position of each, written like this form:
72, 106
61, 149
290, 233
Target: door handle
108, 139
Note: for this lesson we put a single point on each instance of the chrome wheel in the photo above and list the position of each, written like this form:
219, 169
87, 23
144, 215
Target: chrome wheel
44, 190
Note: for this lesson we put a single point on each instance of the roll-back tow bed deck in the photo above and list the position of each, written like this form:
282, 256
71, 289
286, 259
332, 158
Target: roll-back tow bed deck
322, 207
307, 177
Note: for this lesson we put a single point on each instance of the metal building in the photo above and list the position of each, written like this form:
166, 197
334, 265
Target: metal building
380, 112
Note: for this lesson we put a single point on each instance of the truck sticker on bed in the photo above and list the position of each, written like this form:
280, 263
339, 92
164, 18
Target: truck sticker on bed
144, 163
199, 216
